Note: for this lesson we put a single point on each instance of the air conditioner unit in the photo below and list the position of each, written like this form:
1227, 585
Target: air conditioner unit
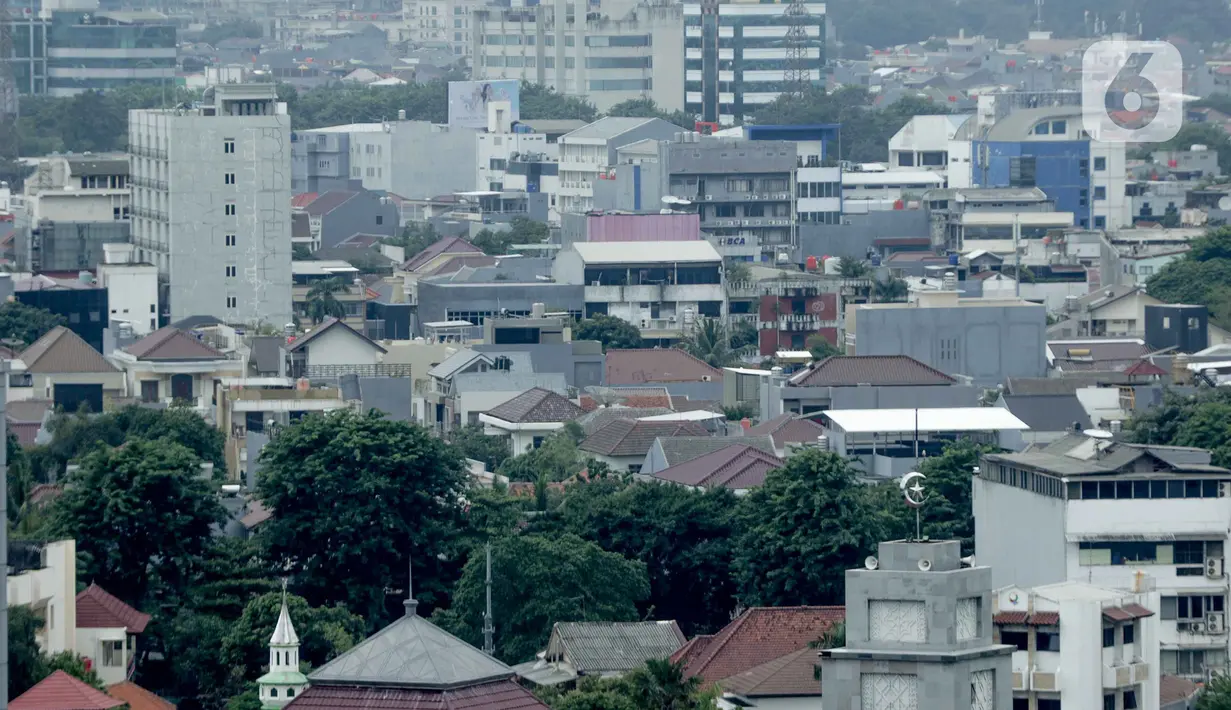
1197, 628
645, 323
707, 378
1215, 622
1224, 489
1213, 567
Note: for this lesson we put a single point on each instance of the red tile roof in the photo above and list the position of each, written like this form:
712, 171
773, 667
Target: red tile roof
1174, 689
61, 691
792, 675
786, 429
883, 370
759, 635
96, 609
138, 698
1144, 368
637, 367
303, 199
171, 343
737, 467
1128, 612
501, 695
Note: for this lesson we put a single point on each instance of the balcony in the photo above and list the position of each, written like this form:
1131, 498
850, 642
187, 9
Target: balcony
149, 214
148, 152
720, 195
324, 372
746, 222
1122, 676
148, 183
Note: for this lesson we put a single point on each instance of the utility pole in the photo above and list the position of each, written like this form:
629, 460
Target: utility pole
489, 631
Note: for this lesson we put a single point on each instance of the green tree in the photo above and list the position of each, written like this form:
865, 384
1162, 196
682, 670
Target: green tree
323, 300
74, 665
948, 514
657, 685
542, 581
471, 442
22, 324
614, 333
744, 336
356, 497
539, 102
1199, 420
232, 575
215, 33
1217, 694
142, 518
1200, 277
891, 290
684, 537
324, 633
646, 108
555, 460
415, 237
822, 348
27, 665
803, 529
852, 268
709, 343
194, 669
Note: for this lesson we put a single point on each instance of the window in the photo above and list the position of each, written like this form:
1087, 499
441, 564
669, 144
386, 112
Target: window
1047, 640
290, 693
230, 301
1049, 704
228, 178
1084, 198
739, 185
1189, 552
230, 272
1109, 701
1100, 164
74, 317
1192, 662
1022, 171
273, 693
538, 442
1129, 633
1130, 700
1100, 193
380, 219
1100, 222
906, 160
149, 391
1021, 639
228, 145
1059, 128
1109, 636
229, 210
1191, 607
1042, 129
113, 654
230, 240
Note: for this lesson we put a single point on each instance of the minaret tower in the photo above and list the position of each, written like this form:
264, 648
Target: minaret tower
283, 683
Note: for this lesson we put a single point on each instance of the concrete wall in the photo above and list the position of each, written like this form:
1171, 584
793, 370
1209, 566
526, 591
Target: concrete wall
320, 162
340, 347
436, 299
987, 343
1021, 526
856, 238
359, 214
57, 582
68, 246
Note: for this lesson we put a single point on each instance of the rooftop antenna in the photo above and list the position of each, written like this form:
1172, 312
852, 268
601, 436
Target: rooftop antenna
798, 74
411, 604
489, 646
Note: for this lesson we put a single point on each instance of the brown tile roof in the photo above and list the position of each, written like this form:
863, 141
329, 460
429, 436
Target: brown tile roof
883, 370
138, 698
1138, 611
737, 467
44, 493
1022, 618
629, 437
1174, 689
757, 636
61, 350
636, 367
303, 199
446, 245
326, 325
792, 675
1128, 612
596, 419
328, 202
25, 418
537, 405
257, 514
171, 343
96, 609
635, 397
61, 691
457, 263
1144, 368
787, 429
501, 695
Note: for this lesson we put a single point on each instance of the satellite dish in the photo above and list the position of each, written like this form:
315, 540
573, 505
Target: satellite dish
871, 562
1224, 203
1098, 434
925, 565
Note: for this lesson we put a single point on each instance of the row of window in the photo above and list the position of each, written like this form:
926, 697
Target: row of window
1026, 480
1179, 552
821, 217
928, 158
750, 210
522, 40
104, 182
622, 85
819, 189
1152, 490
1191, 607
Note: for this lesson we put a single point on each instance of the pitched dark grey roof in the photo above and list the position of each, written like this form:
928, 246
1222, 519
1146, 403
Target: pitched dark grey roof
599, 418
1048, 412
266, 353
613, 647
854, 370
625, 437
412, 652
329, 324
678, 449
537, 405
735, 466
171, 343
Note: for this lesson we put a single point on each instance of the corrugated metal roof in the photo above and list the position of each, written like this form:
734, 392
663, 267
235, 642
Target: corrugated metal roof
934, 419
61, 350
501, 695
611, 647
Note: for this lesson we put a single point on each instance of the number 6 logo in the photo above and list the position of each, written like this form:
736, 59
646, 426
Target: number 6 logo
1132, 92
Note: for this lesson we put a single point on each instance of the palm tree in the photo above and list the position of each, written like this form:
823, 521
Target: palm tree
709, 342
852, 268
662, 685
891, 291
323, 302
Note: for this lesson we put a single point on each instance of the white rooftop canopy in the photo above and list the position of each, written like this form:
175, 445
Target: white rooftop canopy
696, 415
937, 419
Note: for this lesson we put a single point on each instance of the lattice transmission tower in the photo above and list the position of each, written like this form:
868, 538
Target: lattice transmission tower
798, 70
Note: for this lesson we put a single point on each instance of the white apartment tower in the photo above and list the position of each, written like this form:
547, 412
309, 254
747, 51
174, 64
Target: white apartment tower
212, 204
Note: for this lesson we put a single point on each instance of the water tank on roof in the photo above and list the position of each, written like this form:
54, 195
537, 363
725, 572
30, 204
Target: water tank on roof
833, 266
875, 259
899, 204
811, 263
953, 259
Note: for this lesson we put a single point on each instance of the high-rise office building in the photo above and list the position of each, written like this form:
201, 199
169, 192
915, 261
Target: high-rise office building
212, 204
104, 50
737, 55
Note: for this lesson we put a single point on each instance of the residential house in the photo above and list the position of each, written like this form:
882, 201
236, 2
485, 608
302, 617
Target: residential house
1097, 510
592, 421
437, 253
756, 636
107, 631
469, 383
26, 417
80, 301
786, 683
737, 467
529, 418
170, 366
1116, 311
1058, 627
335, 215
413, 663
61, 691
245, 409
623, 444
1049, 416
332, 349
788, 431
62, 367
1092, 355
353, 294
862, 382
668, 451
643, 397
672, 368
600, 648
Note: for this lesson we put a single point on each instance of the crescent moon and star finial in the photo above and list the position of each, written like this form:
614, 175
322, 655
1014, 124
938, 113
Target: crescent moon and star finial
912, 489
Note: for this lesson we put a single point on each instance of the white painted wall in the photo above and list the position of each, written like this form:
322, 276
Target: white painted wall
56, 582
89, 643
1116, 208
1013, 524
132, 292
339, 346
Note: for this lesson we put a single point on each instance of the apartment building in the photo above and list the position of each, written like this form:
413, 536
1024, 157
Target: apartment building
588, 154
413, 159
71, 206
663, 288
95, 51
320, 161
1100, 511
439, 23
736, 57
1080, 646
504, 142
212, 204
616, 52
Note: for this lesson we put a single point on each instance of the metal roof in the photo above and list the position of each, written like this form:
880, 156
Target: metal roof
607, 128
867, 421
606, 647
697, 250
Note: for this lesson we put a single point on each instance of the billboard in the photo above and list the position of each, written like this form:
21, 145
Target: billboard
468, 101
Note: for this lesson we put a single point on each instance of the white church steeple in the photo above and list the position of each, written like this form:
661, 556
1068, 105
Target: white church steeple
283, 683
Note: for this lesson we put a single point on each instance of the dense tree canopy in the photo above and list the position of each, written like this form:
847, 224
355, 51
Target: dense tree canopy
324, 633
1202, 420
541, 581
21, 325
1200, 277
710, 342
142, 518
471, 442
614, 333
646, 108
355, 498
